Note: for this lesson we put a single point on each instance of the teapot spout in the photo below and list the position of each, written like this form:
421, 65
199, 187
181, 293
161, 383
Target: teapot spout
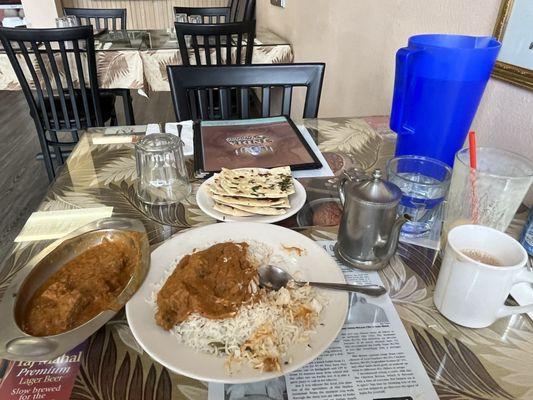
390, 248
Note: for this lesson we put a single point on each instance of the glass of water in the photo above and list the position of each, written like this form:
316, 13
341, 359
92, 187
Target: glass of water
424, 183
162, 176
489, 195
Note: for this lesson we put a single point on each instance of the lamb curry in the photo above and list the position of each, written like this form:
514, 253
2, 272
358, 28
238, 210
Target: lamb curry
81, 289
214, 282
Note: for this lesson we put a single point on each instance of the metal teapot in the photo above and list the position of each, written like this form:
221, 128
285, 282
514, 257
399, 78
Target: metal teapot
369, 229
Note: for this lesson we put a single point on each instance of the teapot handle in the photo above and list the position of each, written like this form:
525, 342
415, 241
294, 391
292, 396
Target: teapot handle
352, 175
341, 189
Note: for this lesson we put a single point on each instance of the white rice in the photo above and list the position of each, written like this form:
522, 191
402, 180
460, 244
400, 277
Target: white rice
274, 314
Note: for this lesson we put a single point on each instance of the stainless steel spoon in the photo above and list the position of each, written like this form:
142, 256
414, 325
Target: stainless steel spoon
275, 278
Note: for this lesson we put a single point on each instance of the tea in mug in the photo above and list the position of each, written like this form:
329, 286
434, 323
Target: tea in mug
482, 257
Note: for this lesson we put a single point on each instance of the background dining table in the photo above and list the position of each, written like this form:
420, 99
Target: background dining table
462, 363
137, 59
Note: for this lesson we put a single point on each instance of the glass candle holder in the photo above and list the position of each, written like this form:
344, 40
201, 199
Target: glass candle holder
162, 176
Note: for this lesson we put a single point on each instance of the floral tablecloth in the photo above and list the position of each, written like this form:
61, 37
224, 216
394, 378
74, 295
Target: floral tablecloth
491, 363
144, 67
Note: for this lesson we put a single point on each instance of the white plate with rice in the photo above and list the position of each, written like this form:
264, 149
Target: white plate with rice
187, 348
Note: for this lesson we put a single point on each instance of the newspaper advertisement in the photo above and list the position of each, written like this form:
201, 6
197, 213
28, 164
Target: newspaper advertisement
372, 358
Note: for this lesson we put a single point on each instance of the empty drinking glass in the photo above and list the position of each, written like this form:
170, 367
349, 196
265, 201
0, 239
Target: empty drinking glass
195, 19
491, 194
181, 17
66, 21
61, 22
162, 176
424, 183
71, 20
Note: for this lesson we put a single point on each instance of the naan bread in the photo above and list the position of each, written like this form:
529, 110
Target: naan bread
224, 209
234, 190
252, 191
261, 210
246, 201
256, 183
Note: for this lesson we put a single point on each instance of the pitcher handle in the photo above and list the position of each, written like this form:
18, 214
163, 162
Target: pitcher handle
504, 311
397, 120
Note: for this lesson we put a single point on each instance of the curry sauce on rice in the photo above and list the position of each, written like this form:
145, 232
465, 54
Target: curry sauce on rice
212, 303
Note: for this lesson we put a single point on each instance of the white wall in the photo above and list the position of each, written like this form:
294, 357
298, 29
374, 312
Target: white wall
41, 13
358, 40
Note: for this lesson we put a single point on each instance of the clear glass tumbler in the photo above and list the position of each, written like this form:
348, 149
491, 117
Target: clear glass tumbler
162, 176
62, 22
66, 22
489, 195
424, 183
71, 20
195, 19
181, 17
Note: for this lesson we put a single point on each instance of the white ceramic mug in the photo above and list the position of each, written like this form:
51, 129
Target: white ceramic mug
472, 293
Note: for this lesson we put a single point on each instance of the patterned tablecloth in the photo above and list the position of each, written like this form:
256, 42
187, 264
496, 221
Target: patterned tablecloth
496, 362
140, 61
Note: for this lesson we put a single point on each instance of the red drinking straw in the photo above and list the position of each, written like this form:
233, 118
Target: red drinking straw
472, 148
473, 167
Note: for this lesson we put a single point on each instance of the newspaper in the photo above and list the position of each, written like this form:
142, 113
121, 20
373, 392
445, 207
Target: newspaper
372, 358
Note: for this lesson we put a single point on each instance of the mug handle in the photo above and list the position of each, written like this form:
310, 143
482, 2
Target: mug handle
524, 276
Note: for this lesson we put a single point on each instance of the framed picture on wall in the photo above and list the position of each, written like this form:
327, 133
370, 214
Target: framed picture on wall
514, 29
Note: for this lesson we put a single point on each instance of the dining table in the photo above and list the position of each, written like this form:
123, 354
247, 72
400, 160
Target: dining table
462, 363
137, 59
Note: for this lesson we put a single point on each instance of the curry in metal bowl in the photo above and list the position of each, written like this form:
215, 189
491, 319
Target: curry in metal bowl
73, 287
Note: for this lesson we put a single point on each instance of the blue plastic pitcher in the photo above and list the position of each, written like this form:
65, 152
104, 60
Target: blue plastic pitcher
439, 82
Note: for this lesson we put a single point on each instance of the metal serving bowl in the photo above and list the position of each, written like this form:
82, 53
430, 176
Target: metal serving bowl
15, 344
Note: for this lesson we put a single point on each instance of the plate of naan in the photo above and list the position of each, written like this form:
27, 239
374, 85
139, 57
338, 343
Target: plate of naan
251, 194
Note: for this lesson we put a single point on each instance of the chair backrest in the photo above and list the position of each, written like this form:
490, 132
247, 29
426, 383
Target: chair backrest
242, 10
233, 6
189, 88
209, 15
108, 18
218, 44
56, 69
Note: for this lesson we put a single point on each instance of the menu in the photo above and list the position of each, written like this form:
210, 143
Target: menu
264, 143
372, 358
40, 380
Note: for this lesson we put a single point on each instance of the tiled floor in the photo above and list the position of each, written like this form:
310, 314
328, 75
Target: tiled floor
23, 180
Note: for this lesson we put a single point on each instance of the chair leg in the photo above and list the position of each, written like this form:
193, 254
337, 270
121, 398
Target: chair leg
48, 163
59, 155
113, 121
128, 106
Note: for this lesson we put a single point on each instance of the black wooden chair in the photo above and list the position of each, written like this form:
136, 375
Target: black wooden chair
111, 19
230, 43
99, 18
189, 85
236, 11
56, 69
219, 44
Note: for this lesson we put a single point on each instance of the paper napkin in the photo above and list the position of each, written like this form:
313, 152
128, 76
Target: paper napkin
46, 225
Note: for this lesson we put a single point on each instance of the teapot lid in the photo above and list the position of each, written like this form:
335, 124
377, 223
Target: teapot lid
376, 190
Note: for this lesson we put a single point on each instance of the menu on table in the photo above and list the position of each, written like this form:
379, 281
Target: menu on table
40, 380
262, 143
